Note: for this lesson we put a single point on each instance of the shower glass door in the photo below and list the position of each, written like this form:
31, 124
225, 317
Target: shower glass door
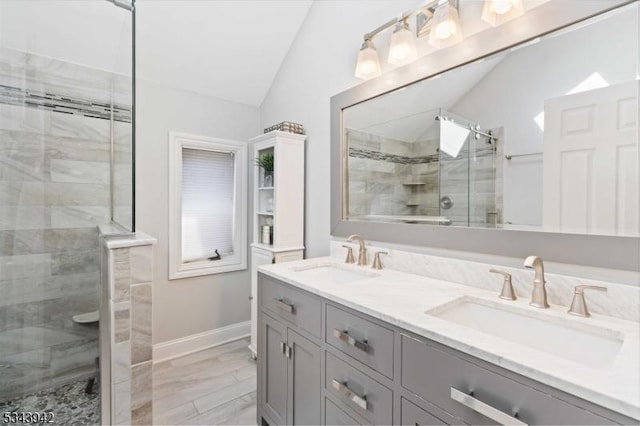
65, 167
467, 173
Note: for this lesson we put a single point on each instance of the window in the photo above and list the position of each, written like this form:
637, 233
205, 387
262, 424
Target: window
207, 206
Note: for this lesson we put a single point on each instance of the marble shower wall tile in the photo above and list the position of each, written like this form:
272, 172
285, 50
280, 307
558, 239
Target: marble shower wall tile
129, 274
122, 322
141, 323
621, 300
141, 394
141, 264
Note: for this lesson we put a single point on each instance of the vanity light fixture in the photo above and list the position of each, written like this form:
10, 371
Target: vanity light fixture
439, 19
445, 26
403, 44
403, 40
368, 65
497, 12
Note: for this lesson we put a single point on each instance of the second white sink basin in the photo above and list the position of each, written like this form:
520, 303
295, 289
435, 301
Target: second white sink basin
331, 272
581, 343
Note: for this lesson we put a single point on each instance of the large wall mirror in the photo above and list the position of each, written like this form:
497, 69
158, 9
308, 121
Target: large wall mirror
541, 136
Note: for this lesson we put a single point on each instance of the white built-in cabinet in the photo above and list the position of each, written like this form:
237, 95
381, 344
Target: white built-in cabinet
279, 202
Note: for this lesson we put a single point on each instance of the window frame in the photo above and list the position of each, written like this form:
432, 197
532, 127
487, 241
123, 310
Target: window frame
238, 262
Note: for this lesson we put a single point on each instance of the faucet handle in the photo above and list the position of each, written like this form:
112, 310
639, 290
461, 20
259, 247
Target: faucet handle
507, 293
377, 262
579, 303
350, 258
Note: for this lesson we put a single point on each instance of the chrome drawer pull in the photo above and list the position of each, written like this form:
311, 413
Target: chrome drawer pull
484, 409
287, 307
360, 401
349, 340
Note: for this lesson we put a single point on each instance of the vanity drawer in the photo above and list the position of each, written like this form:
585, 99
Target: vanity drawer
446, 380
412, 415
295, 306
365, 396
334, 415
361, 339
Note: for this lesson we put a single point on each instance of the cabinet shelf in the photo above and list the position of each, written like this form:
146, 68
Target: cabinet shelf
264, 213
265, 188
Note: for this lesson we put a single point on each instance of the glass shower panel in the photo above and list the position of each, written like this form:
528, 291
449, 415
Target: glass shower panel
122, 176
469, 180
483, 182
454, 153
65, 96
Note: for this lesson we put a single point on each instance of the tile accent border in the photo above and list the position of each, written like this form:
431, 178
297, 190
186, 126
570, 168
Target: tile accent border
196, 342
63, 104
126, 340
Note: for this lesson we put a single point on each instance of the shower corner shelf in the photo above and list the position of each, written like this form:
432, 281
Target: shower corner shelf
413, 181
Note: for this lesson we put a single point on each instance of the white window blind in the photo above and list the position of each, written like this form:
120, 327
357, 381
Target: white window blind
208, 200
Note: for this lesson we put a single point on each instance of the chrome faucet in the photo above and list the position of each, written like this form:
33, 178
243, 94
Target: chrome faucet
362, 252
539, 293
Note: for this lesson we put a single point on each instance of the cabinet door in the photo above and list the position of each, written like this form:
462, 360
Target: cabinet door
411, 415
273, 377
304, 381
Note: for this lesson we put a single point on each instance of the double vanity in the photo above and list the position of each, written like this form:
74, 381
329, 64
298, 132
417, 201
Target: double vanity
347, 344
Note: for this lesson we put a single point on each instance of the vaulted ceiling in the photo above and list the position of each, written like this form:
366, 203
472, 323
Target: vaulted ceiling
228, 49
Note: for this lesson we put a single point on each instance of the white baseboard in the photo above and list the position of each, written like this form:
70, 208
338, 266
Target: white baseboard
197, 342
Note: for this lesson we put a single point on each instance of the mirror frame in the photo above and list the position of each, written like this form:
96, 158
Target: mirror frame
612, 252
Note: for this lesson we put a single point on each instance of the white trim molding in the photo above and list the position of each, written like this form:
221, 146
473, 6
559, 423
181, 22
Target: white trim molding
238, 261
196, 342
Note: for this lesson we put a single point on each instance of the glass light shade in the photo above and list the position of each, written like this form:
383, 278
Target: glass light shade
496, 12
445, 27
368, 65
403, 45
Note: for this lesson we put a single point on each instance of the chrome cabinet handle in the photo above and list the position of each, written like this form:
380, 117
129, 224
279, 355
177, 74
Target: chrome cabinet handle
283, 347
287, 307
349, 340
484, 409
360, 401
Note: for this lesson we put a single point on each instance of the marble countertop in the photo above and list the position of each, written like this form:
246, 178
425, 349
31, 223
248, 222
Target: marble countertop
401, 299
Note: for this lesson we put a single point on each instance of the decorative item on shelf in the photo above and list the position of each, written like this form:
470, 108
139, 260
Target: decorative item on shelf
286, 126
265, 162
267, 233
269, 203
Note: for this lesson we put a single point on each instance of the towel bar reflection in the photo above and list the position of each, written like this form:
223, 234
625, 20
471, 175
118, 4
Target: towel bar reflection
509, 157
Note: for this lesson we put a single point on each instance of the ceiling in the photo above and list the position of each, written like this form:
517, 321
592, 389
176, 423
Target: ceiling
231, 50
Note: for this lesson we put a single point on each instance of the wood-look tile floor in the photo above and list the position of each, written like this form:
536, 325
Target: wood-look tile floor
216, 386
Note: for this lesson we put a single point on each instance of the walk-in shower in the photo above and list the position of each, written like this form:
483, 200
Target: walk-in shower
66, 161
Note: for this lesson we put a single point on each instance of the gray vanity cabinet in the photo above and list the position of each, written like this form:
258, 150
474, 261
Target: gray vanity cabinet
290, 382
320, 362
273, 371
289, 362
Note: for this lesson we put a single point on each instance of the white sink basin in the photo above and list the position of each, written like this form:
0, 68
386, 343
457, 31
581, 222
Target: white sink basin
565, 338
331, 272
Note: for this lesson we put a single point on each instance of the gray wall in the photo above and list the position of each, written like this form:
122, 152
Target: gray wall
192, 305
